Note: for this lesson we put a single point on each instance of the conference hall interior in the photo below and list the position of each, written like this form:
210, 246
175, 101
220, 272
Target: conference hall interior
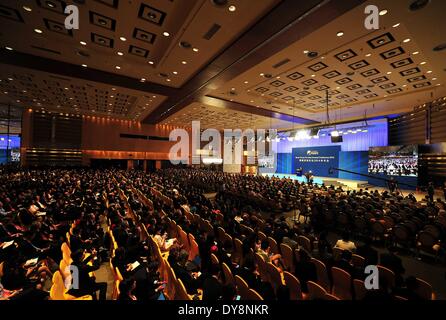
222, 150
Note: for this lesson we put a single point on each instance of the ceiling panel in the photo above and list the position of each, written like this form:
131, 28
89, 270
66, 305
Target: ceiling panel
34, 89
378, 71
146, 52
222, 118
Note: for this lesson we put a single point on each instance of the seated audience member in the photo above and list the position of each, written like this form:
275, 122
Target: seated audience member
162, 241
148, 283
229, 293
324, 246
344, 243
267, 255
345, 263
126, 288
182, 269
248, 271
87, 284
391, 261
305, 270
120, 262
224, 255
368, 253
212, 287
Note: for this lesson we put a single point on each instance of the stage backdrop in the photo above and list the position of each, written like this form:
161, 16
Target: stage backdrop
355, 161
319, 160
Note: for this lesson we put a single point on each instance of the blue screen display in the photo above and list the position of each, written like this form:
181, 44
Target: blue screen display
13, 144
318, 160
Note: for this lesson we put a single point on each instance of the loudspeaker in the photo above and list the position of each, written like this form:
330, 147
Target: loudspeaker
337, 139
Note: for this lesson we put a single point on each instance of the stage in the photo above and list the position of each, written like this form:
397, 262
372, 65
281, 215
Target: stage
351, 184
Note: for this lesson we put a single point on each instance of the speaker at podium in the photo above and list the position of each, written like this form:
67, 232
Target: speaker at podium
299, 172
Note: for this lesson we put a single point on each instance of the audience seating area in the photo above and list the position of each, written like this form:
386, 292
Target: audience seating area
160, 238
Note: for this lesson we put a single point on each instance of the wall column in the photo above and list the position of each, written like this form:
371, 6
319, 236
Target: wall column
144, 165
130, 164
158, 164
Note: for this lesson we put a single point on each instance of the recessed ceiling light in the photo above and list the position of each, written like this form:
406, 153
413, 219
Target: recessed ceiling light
143, 79
404, 85
195, 49
406, 40
262, 74
246, 82
120, 53
383, 12
306, 51
415, 53
166, 34
340, 34
168, 80
118, 67
423, 63
151, 62
430, 71
38, 31
396, 25
66, 88
9, 48
26, 8
175, 72
183, 62
123, 39
113, 89
153, 96
438, 84
83, 43
368, 55
433, 79
84, 65
313, 75
390, 72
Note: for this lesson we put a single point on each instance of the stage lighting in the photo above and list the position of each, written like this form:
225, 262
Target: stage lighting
335, 133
